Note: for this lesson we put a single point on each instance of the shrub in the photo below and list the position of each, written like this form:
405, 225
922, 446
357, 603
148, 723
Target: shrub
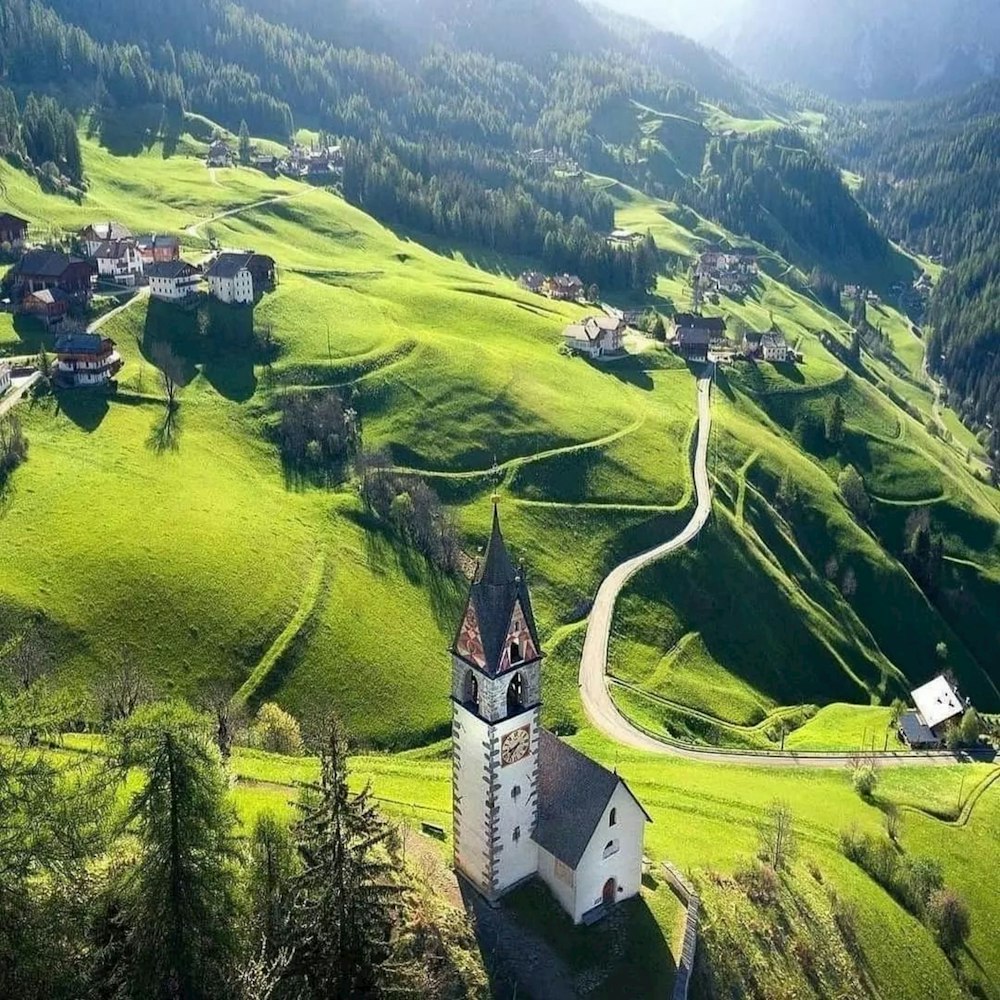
865, 780
948, 916
759, 881
276, 731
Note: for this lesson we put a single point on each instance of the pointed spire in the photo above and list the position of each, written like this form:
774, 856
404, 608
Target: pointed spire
497, 568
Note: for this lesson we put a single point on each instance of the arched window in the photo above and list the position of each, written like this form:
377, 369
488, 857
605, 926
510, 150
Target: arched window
613, 819
517, 834
515, 694
470, 695
515, 792
611, 847
515, 653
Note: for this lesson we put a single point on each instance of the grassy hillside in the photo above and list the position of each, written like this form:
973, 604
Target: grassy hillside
454, 369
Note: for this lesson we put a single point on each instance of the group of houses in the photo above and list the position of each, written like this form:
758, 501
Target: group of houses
695, 337
561, 287
726, 272
303, 162
306, 162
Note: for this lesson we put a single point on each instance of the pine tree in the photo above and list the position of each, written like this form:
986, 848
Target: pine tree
346, 892
835, 421
244, 152
271, 870
178, 898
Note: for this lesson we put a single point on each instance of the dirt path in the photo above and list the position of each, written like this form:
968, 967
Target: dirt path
193, 229
594, 687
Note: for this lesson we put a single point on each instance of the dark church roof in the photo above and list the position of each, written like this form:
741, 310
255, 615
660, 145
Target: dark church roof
495, 588
573, 792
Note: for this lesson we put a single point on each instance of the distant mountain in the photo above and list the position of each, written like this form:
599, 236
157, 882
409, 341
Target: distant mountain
849, 49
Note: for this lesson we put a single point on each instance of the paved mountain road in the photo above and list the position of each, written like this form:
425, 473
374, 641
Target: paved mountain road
594, 691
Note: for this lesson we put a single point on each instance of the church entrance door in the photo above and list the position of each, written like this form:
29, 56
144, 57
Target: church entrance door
610, 893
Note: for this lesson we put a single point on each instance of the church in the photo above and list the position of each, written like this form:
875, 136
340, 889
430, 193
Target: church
526, 804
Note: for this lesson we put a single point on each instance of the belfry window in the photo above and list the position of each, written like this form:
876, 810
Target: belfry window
470, 693
515, 694
613, 819
515, 792
515, 653
517, 834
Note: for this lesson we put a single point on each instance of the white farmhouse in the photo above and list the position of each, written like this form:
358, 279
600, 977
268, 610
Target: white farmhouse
239, 277
525, 803
774, 347
119, 261
596, 336
173, 281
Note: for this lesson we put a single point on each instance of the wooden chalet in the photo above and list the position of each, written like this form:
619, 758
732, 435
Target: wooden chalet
49, 305
13, 229
39, 269
84, 359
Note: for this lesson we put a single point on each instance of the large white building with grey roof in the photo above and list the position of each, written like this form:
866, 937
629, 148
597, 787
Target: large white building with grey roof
525, 803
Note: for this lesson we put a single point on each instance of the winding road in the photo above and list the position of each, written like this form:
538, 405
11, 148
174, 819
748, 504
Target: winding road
594, 689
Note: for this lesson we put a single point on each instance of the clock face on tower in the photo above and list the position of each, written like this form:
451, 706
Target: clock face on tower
515, 746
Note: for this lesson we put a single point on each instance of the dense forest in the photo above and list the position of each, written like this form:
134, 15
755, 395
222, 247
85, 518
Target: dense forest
777, 189
931, 173
42, 135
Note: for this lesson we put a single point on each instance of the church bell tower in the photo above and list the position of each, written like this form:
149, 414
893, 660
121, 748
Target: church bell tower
496, 699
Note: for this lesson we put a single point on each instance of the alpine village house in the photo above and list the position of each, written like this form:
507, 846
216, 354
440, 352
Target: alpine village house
85, 359
526, 804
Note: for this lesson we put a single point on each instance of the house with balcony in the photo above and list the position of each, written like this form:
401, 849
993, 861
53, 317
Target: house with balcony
120, 262
39, 269
596, 336
174, 281
85, 359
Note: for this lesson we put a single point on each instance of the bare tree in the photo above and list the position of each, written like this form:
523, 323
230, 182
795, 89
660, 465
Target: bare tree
123, 689
171, 373
776, 829
228, 715
27, 661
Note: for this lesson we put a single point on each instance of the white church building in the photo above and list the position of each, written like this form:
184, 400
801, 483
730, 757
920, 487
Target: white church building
525, 803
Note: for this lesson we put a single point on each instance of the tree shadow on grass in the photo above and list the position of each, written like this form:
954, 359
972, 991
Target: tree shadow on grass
383, 549
630, 369
216, 339
86, 407
165, 433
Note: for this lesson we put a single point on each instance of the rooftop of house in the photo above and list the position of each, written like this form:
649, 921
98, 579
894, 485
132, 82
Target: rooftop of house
153, 240
914, 731
773, 338
106, 231
49, 296
495, 589
113, 250
8, 219
45, 263
228, 265
171, 269
83, 343
937, 701
691, 321
573, 792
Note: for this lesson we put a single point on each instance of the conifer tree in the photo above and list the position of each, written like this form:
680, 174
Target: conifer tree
178, 898
346, 891
244, 151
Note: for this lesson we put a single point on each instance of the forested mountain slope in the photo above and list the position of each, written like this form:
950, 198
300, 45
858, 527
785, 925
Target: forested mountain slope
931, 174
